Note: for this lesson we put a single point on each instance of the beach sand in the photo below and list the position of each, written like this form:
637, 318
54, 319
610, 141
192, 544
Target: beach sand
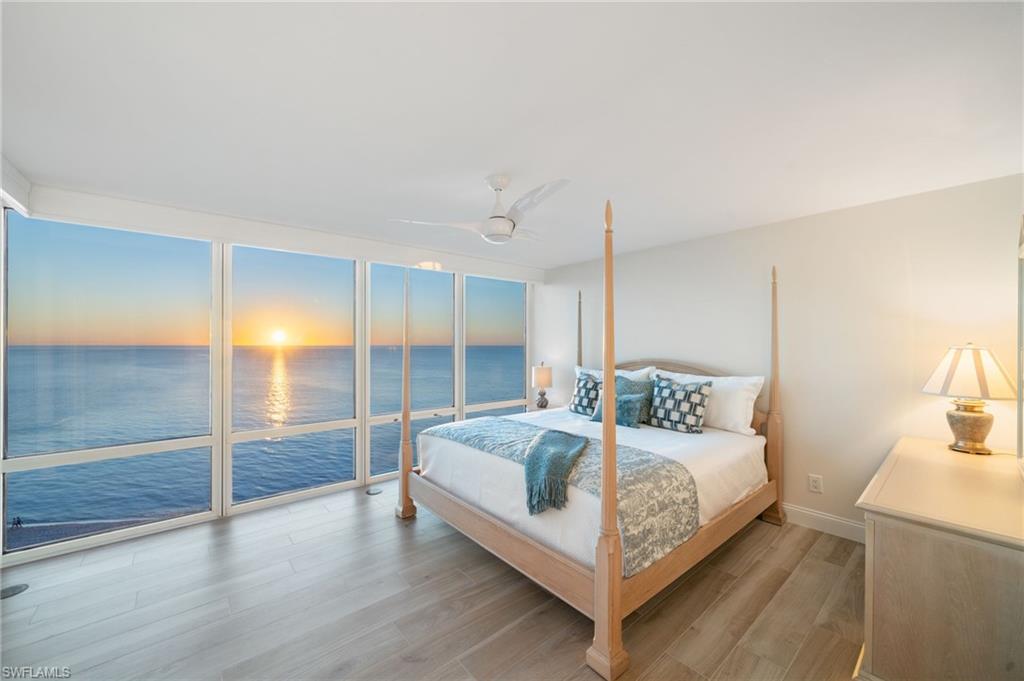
43, 533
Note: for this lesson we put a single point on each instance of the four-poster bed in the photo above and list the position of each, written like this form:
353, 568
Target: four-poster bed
600, 590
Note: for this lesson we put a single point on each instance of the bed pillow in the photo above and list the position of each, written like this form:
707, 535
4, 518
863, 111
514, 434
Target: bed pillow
625, 386
585, 395
637, 375
627, 410
679, 406
731, 406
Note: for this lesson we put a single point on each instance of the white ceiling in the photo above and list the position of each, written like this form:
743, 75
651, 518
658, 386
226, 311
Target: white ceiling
694, 119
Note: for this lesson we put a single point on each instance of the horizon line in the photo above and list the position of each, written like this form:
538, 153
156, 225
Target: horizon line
251, 345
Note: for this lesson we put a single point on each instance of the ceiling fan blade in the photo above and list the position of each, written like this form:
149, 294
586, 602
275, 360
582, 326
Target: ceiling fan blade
526, 234
467, 226
533, 198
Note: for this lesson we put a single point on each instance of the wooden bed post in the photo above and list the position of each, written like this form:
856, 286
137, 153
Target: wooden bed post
405, 507
773, 428
579, 328
607, 656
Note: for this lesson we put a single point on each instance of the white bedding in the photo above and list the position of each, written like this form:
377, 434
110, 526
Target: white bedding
725, 466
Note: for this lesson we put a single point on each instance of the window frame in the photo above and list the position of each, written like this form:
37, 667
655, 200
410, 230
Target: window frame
232, 437
527, 349
28, 462
371, 420
459, 411
221, 438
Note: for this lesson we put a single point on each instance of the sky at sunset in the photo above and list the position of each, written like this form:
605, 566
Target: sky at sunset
306, 299
431, 306
495, 312
73, 285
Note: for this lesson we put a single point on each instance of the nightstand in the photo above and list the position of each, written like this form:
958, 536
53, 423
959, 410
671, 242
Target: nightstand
944, 566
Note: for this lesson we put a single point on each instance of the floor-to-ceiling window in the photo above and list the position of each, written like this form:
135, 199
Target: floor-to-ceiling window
495, 347
152, 381
108, 380
432, 359
293, 372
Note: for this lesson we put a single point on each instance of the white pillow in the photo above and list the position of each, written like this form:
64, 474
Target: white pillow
731, 405
638, 375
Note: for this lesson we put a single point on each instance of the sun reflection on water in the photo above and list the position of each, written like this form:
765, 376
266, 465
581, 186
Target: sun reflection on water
279, 390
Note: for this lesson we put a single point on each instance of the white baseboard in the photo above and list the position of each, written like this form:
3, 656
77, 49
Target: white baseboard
825, 522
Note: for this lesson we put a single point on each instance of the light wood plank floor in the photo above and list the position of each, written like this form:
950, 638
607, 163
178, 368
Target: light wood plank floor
338, 588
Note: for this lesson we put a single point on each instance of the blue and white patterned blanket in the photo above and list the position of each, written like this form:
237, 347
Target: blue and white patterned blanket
658, 508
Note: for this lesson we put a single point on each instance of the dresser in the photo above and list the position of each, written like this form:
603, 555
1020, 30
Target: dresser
944, 567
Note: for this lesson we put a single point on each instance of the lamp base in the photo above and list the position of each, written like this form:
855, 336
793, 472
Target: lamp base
970, 424
542, 400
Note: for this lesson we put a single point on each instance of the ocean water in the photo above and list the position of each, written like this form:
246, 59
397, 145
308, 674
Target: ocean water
64, 398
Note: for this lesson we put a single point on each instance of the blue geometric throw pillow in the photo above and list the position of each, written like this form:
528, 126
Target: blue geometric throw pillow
679, 406
627, 410
585, 394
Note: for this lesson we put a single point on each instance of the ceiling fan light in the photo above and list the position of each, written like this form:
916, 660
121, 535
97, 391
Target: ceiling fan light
497, 230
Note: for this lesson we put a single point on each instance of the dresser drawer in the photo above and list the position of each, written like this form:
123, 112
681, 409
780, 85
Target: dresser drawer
944, 567
940, 605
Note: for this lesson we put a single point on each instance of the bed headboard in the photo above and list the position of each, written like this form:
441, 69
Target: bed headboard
767, 423
760, 417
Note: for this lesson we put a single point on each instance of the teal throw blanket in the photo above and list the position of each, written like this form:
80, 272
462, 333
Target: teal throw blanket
550, 457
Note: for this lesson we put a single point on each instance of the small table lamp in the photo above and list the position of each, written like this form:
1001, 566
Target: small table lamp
542, 380
970, 375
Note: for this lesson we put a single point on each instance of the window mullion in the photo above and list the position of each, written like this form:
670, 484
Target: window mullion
361, 354
227, 373
289, 431
487, 406
459, 363
217, 383
3, 367
33, 462
527, 341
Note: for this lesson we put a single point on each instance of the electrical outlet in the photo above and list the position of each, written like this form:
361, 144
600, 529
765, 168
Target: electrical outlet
816, 484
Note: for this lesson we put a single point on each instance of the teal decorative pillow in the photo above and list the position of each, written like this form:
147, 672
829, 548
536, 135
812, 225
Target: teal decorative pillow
627, 410
626, 386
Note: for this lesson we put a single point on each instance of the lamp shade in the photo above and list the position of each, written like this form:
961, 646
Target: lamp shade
971, 372
542, 377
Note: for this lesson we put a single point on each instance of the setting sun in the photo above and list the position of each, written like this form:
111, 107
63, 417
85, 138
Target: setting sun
278, 337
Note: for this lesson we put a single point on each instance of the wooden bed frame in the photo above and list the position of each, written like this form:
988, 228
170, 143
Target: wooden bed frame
602, 593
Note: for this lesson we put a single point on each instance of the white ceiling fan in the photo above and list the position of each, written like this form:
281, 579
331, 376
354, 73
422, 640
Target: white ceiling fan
502, 225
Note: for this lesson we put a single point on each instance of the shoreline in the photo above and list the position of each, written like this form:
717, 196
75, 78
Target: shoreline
34, 534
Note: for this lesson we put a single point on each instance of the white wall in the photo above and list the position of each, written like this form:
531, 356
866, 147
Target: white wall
870, 297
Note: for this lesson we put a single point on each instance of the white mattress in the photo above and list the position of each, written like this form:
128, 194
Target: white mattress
725, 466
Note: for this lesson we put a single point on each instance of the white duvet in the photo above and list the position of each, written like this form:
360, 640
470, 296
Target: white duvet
726, 467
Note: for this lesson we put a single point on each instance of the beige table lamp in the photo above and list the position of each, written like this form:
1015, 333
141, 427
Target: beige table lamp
970, 375
542, 380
